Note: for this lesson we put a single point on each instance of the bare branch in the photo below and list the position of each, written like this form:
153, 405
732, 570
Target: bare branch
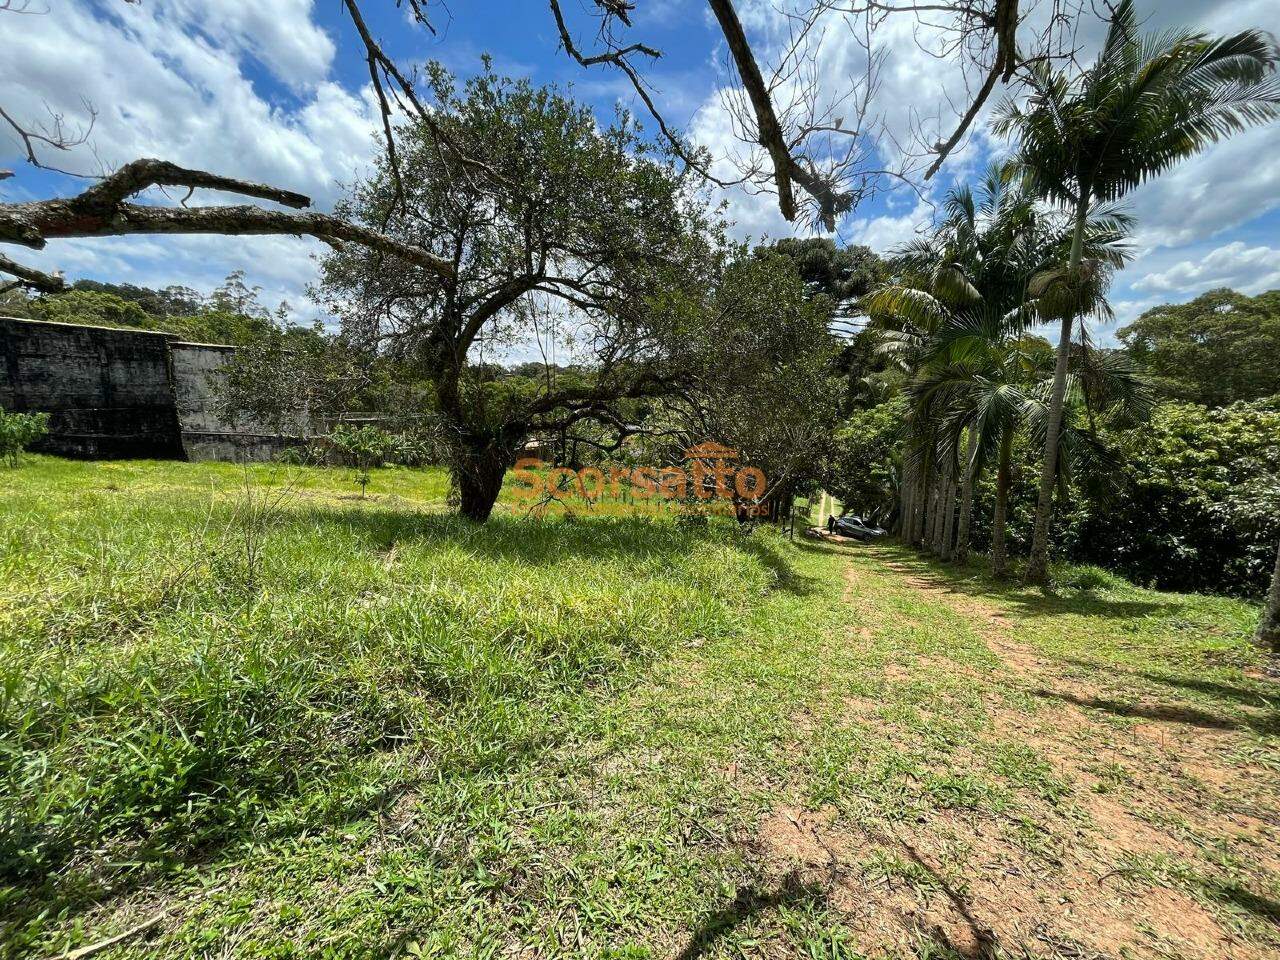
100, 211
944, 149
767, 126
29, 277
54, 136
617, 56
137, 176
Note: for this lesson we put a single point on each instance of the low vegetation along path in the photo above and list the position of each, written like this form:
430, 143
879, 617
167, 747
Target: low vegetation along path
245, 717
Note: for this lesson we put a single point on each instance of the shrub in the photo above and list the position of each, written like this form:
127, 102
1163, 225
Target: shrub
1195, 504
362, 447
18, 431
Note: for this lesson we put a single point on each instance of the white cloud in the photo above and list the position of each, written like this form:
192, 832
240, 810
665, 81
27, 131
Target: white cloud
282, 266
280, 34
1229, 184
162, 88
887, 232
173, 80
1237, 265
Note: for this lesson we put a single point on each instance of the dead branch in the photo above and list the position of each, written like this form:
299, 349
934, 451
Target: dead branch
617, 56
55, 136
769, 131
87, 951
101, 211
30, 277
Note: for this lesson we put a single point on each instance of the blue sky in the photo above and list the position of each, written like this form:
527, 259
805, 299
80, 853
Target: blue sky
276, 90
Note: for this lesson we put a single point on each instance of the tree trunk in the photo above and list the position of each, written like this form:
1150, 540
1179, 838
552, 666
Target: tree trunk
904, 503
1038, 564
918, 508
966, 496
944, 491
1004, 479
477, 474
935, 512
949, 517
922, 501
1269, 627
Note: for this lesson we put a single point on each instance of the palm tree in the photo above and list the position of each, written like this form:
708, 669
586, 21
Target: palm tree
959, 289
997, 406
1088, 139
962, 305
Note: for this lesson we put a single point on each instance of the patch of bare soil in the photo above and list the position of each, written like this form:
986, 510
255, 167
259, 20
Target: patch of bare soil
959, 882
970, 883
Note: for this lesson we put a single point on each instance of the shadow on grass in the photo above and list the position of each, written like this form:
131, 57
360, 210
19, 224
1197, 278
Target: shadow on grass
1169, 713
973, 579
548, 541
786, 578
982, 940
749, 902
1264, 695
1234, 895
537, 541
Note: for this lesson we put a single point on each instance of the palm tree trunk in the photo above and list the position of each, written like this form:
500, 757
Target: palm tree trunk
935, 513
930, 514
1038, 564
946, 510
1004, 479
922, 500
1269, 628
966, 496
906, 496
949, 521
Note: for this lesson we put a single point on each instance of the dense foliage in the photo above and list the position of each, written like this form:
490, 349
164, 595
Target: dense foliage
1219, 348
1194, 503
842, 274
864, 467
1089, 135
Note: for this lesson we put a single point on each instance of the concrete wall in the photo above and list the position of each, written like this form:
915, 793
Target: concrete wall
124, 393
109, 392
197, 374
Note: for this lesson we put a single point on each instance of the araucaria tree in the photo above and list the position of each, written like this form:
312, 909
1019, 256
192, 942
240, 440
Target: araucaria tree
1089, 138
555, 228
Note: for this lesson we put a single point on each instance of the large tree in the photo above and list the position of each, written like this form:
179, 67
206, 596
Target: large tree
770, 391
562, 234
1219, 348
1088, 138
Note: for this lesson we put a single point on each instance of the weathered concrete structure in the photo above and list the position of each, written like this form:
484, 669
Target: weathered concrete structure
108, 392
196, 371
117, 393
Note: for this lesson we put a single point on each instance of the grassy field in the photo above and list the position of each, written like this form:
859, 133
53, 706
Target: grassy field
253, 715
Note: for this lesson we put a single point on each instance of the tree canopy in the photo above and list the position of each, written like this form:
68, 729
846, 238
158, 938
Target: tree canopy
1219, 348
562, 234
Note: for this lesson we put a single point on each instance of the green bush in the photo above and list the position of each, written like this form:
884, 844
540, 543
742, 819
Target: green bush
864, 464
362, 447
1195, 504
18, 431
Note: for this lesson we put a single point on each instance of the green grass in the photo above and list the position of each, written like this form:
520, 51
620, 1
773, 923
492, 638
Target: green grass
303, 723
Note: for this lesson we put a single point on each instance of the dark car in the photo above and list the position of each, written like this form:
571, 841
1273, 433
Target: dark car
854, 527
